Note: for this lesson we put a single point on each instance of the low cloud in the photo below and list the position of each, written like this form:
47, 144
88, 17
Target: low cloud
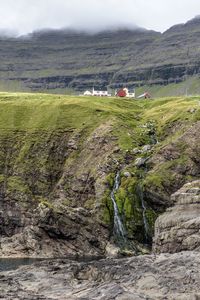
22, 16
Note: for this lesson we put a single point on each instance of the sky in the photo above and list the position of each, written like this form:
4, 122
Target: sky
25, 16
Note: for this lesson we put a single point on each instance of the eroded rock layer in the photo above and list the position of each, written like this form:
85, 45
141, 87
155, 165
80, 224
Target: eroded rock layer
179, 227
173, 277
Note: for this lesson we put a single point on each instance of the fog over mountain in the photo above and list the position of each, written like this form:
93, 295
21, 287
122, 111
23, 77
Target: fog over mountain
21, 16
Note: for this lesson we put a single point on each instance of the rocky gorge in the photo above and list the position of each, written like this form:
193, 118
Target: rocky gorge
87, 182
156, 276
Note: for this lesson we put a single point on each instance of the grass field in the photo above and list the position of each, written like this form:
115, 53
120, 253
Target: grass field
30, 112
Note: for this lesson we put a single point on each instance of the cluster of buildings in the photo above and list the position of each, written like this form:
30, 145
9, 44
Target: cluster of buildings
97, 93
123, 92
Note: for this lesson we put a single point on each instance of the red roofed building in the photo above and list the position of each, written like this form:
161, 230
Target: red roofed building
121, 93
124, 92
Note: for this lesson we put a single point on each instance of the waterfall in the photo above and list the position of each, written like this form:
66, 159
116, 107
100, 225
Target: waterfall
118, 225
145, 222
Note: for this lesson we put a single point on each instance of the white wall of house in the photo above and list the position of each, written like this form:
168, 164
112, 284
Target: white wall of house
87, 93
100, 93
129, 95
106, 94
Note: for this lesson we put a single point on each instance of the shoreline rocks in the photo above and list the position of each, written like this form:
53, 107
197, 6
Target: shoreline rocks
165, 276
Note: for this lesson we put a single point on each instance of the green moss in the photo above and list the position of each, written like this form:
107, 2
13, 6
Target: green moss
89, 203
107, 216
165, 175
2, 178
155, 179
151, 217
109, 181
16, 184
131, 210
45, 202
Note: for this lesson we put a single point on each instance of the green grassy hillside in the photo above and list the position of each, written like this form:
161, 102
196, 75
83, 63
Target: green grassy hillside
32, 112
63, 152
189, 87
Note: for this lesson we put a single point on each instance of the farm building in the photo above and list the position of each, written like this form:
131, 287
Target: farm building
97, 93
146, 95
121, 93
124, 92
87, 93
100, 93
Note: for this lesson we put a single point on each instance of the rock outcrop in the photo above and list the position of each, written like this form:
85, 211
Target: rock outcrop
170, 277
174, 164
50, 232
178, 228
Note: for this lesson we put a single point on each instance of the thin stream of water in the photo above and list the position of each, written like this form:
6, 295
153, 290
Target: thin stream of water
145, 222
118, 225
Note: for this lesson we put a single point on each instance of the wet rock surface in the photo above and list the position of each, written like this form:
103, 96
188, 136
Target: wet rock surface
178, 228
165, 276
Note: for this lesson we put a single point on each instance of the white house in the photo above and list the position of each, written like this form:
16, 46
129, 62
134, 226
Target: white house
100, 93
128, 94
97, 93
124, 92
87, 93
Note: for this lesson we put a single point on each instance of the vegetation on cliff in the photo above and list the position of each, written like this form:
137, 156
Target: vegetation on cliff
58, 160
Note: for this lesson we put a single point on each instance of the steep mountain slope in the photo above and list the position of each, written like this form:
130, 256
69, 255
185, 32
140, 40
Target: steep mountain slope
60, 59
63, 60
59, 157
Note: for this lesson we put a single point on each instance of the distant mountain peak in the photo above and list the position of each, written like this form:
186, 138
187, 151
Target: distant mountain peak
191, 24
194, 20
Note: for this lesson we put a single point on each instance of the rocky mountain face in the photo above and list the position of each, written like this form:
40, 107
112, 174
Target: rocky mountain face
178, 229
50, 196
72, 169
60, 60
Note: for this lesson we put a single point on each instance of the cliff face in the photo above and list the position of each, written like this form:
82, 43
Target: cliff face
60, 60
49, 182
178, 229
59, 156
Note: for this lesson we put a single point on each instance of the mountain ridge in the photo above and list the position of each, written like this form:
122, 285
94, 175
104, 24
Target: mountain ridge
61, 61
